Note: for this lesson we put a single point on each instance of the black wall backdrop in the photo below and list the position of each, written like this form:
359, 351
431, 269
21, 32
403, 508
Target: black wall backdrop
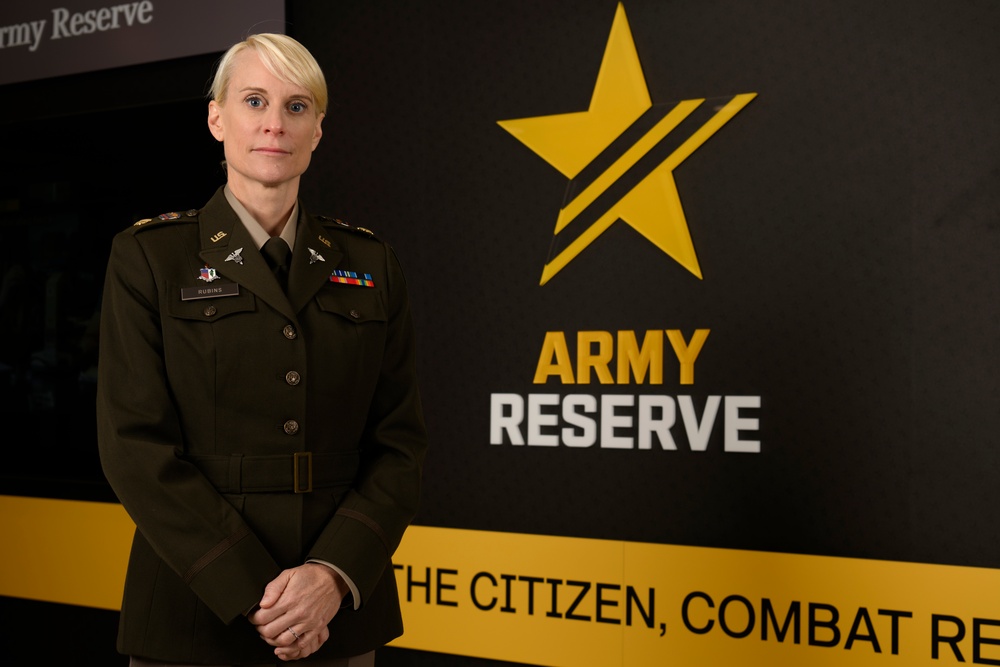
846, 223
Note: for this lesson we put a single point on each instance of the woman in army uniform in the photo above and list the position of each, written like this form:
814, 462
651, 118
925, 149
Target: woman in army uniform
258, 412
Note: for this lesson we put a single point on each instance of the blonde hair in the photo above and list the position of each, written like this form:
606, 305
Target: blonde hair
283, 57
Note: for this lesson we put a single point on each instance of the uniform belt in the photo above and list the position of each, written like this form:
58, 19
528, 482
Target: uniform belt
297, 473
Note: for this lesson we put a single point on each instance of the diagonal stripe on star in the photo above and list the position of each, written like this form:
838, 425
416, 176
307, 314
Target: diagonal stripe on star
593, 200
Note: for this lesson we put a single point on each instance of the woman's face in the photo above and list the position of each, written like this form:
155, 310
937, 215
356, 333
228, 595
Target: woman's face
269, 127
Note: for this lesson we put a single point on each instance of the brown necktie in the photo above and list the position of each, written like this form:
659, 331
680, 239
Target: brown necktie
279, 257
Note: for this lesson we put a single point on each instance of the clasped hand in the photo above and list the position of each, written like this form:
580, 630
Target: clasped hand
296, 608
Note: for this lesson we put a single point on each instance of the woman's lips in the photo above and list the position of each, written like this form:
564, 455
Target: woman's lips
271, 151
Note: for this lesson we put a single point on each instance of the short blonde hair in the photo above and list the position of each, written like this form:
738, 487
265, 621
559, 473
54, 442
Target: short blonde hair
283, 57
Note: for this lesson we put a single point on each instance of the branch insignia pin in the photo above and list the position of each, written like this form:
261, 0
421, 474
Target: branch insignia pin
235, 256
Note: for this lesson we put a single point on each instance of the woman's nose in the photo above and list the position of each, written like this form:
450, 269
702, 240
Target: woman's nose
274, 121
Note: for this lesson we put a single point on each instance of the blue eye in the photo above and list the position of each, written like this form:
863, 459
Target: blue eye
255, 102
297, 107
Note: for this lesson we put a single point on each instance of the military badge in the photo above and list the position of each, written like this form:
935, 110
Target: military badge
235, 256
314, 256
352, 278
208, 275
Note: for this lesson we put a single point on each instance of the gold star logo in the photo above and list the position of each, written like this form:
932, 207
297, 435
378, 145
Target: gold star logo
620, 155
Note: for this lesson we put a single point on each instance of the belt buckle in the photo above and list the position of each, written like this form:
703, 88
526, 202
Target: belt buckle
302, 472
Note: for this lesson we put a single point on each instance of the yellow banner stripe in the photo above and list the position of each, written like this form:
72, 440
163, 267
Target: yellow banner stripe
575, 602
66, 551
559, 601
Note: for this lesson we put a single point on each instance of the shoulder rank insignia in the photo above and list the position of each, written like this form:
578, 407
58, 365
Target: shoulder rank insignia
166, 217
341, 223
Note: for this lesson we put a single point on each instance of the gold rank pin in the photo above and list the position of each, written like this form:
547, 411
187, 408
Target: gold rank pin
190, 213
353, 228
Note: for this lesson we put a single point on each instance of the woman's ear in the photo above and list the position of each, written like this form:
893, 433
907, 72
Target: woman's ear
319, 130
215, 120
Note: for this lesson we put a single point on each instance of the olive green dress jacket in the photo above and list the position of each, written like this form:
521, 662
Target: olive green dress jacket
246, 431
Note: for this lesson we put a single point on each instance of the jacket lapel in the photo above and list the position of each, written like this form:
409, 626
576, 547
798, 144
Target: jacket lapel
227, 247
313, 261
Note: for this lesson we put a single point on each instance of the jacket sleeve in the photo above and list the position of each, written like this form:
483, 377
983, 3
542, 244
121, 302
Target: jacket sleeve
192, 528
370, 521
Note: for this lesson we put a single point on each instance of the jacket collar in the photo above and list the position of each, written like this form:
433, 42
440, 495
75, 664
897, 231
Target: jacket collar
227, 246
314, 259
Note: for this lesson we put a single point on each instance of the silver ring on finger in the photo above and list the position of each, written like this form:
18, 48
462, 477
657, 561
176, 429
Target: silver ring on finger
294, 634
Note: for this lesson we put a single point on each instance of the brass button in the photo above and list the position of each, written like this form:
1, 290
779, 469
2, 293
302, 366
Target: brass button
291, 427
209, 311
289, 332
292, 378
355, 314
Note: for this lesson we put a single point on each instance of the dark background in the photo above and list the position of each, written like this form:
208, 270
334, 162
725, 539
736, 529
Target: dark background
846, 223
